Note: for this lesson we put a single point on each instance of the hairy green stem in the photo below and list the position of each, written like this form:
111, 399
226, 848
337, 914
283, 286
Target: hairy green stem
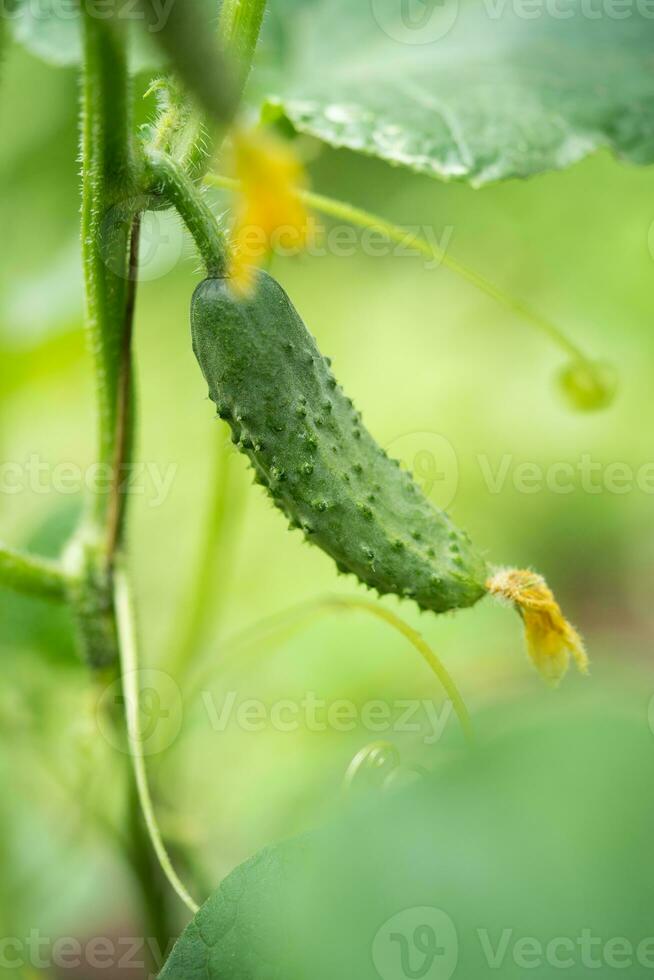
110, 235
179, 130
32, 576
364, 219
131, 690
107, 209
167, 179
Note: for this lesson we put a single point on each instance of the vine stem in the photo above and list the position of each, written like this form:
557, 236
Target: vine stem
300, 613
107, 203
124, 401
33, 576
130, 679
365, 219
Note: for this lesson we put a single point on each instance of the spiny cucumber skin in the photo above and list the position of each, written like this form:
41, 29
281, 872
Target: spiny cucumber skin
310, 449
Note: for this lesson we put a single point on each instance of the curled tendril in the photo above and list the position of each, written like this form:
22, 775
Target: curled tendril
373, 766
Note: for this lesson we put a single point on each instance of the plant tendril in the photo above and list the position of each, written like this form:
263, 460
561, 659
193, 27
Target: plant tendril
130, 680
294, 618
364, 219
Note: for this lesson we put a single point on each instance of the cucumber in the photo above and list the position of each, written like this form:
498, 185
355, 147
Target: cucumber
310, 450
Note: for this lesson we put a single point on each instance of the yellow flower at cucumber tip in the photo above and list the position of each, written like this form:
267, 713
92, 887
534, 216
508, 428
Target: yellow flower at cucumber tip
270, 212
551, 640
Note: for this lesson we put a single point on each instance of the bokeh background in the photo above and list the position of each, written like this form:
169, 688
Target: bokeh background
447, 378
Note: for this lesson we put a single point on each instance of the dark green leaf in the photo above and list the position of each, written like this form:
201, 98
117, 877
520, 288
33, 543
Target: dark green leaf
525, 838
480, 91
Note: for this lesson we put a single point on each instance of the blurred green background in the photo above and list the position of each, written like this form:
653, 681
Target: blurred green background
441, 373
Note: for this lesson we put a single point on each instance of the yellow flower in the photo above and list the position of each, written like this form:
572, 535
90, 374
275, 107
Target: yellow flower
551, 640
270, 215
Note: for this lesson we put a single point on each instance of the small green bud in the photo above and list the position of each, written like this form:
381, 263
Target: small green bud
588, 386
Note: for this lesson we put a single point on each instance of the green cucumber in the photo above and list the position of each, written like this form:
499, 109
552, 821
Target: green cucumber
309, 448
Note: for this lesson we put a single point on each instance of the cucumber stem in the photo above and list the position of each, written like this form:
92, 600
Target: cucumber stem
167, 179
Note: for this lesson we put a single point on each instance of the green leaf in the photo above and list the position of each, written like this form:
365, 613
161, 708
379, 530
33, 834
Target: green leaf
51, 30
480, 91
527, 834
235, 932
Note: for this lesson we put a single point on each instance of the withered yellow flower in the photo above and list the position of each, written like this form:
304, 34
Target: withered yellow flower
270, 215
551, 639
